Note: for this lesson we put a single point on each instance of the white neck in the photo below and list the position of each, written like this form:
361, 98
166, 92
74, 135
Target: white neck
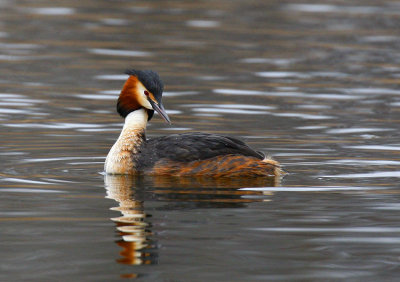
136, 120
120, 159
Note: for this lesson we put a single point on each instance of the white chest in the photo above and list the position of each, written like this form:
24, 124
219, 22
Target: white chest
121, 158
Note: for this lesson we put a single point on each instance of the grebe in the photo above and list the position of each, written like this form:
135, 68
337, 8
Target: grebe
187, 154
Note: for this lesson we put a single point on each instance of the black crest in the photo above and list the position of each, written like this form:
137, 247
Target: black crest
151, 80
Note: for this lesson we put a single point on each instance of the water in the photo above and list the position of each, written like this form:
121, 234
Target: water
313, 84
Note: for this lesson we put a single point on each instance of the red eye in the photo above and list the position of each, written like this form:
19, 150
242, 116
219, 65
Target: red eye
146, 93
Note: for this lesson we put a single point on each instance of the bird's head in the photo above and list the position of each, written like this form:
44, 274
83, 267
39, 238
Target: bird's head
143, 89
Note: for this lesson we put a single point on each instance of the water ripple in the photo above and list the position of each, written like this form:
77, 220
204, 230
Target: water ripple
274, 61
57, 125
304, 116
375, 147
33, 160
359, 162
28, 190
371, 90
13, 46
324, 96
361, 229
179, 93
360, 240
229, 111
202, 23
356, 130
52, 11
326, 8
27, 181
114, 52
374, 174
281, 74
112, 77
96, 97
309, 189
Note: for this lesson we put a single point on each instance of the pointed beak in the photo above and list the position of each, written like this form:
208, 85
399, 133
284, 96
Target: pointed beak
159, 108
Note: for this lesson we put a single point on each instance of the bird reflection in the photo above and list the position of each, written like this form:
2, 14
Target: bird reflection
129, 191
205, 192
131, 226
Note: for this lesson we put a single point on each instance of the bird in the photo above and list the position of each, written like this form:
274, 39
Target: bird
185, 154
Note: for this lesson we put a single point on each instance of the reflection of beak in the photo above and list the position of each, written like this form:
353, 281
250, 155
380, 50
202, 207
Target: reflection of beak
159, 108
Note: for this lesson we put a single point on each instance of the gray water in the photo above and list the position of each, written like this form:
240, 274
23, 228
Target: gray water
315, 84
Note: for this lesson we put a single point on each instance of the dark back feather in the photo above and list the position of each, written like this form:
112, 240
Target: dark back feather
189, 147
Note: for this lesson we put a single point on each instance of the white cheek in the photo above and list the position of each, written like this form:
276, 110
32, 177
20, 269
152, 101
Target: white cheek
142, 98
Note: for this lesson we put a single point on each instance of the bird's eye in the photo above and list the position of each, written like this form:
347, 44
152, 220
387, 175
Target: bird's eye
146, 93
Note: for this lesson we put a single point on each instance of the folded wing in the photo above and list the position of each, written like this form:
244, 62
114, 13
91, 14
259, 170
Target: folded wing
190, 147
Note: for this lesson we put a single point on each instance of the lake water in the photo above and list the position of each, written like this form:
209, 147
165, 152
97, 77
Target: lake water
315, 84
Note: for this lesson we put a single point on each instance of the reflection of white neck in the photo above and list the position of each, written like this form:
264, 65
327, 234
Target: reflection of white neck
120, 158
131, 225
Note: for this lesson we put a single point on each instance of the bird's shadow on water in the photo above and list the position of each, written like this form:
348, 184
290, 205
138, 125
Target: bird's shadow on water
134, 229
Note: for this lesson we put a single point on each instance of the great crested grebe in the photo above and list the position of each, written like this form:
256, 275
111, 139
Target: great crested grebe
187, 154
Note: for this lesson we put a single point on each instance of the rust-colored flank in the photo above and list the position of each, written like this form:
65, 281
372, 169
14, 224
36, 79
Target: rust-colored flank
220, 166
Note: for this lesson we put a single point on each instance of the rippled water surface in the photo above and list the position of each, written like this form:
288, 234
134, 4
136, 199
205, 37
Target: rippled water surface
315, 84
